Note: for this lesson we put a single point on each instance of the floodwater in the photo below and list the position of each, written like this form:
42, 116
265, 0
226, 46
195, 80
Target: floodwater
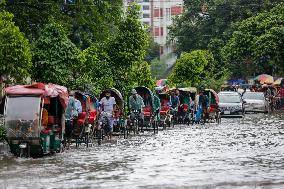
239, 153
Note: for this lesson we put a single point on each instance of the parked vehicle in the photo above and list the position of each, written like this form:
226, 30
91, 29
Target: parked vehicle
85, 123
231, 104
165, 117
150, 117
213, 110
34, 118
255, 102
186, 112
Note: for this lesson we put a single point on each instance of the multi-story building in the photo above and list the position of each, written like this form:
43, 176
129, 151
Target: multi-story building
158, 15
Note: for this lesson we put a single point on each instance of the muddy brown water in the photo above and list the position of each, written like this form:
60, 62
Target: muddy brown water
239, 153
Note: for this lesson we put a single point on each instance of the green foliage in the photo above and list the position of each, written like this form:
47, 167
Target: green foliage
142, 75
56, 58
88, 21
153, 50
191, 67
257, 43
204, 20
96, 69
158, 68
15, 55
128, 49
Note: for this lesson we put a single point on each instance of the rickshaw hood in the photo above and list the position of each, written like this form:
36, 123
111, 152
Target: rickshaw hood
40, 89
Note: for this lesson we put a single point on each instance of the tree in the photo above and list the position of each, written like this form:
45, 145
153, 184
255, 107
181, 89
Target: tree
191, 68
257, 44
15, 55
96, 69
55, 57
204, 20
153, 50
128, 49
87, 21
142, 75
158, 68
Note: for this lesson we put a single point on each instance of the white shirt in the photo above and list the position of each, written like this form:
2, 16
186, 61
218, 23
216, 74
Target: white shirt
107, 104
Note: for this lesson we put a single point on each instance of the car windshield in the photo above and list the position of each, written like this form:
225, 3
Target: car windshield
253, 96
22, 116
229, 98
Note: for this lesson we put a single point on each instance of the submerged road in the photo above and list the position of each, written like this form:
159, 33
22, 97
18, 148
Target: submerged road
239, 153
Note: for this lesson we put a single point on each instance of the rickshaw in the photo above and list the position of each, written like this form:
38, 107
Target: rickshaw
92, 116
85, 124
119, 127
34, 119
186, 111
150, 116
165, 116
214, 113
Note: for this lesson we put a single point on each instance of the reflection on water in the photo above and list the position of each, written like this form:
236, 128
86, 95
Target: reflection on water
238, 153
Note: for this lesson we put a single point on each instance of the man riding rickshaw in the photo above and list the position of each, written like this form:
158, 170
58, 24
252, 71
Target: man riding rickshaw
136, 106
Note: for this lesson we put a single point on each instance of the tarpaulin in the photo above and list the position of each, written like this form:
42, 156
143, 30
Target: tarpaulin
40, 89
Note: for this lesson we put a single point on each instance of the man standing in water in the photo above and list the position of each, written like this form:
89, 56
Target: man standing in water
136, 103
107, 105
70, 114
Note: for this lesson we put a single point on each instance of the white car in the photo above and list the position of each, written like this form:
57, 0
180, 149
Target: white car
231, 104
255, 102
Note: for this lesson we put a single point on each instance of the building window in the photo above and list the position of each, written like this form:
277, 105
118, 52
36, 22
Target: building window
157, 31
161, 12
146, 23
146, 7
175, 10
146, 16
156, 12
162, 31
168, 12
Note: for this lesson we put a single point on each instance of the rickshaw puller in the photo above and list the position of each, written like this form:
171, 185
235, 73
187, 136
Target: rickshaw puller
136, 103
70, 114
107, 105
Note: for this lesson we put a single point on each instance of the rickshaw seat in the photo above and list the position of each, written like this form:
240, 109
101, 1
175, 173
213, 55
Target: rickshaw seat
92, 117
164, 102
81, 118
147, 111
213, 108
185, 107
164, 110
52, 120
117, 114
45, 131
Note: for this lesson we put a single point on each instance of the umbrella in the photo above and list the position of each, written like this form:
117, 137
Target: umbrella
161, 82
236, 81
264, 78
278, 81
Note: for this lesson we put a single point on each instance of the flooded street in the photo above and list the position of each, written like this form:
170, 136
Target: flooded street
238, 153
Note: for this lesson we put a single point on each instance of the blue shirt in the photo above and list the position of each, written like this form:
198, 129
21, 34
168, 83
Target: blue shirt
174, 101
71, 109
78, 106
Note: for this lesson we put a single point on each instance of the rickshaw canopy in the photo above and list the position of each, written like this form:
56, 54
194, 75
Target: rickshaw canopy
215, 95
40, 89
116, 94
188, 89
143, 91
